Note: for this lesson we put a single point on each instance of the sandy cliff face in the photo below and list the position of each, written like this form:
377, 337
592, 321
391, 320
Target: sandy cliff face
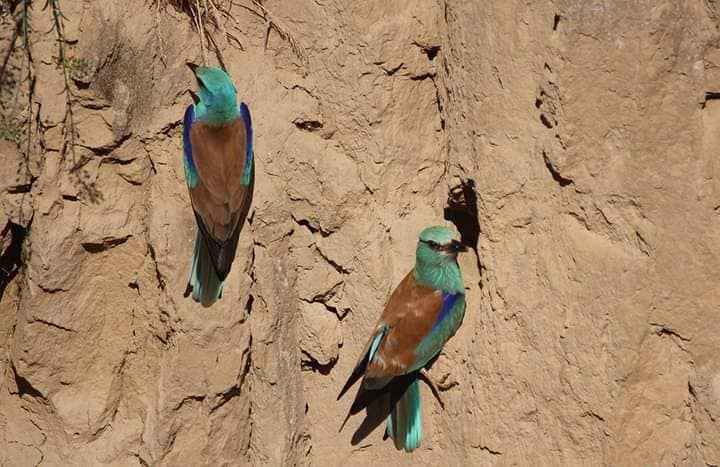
584, 135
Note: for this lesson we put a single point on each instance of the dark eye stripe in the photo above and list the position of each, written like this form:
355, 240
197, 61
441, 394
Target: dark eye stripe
432, 244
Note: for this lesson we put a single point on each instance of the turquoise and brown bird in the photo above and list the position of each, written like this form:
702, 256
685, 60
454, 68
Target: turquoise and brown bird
423, 312
220, 174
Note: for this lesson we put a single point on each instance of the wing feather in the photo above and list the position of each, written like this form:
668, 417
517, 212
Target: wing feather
215, 165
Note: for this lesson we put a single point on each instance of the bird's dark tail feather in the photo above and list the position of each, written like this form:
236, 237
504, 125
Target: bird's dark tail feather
379, 404
204, 284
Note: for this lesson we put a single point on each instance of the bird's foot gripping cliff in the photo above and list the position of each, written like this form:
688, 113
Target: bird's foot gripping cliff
573, 141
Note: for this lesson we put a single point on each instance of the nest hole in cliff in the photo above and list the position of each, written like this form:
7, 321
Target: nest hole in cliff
461, 210
11, 260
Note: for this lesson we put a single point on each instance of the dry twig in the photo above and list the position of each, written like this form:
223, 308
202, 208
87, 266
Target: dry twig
208, 18
69, 124
212, 16
273, 24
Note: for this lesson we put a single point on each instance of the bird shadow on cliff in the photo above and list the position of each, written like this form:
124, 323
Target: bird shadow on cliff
377, 405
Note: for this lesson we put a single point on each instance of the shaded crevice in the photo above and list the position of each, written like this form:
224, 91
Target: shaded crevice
253, 280
19, 189
323, 300
311, 364
308, 124
556, 21
663, 330
190, 399
334, 310
108, 149
158, 276
339, 268
135, 286
247, 380
11, 260
42, 456
235, 390
709, 96
488, 450
153, 169
115, 161
643, 245
590, 413
314, 229
430, 50
423, 76
91, 247
226, 396
392, 71
545, 121
52, 325
438, 102
562, 181
249, 304
24, 386
142, 461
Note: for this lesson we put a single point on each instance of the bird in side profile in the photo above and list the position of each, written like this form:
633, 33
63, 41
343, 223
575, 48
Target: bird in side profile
220, 175
423, 312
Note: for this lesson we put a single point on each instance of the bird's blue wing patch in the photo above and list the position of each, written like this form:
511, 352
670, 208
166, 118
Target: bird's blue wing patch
449, 301
191, 176
376, 343
247, 121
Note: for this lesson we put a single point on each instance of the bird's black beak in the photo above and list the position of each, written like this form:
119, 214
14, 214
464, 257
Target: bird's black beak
192, 67
194, 96
457, 246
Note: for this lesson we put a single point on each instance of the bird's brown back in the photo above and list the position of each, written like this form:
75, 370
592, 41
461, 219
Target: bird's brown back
219, 157
410, 315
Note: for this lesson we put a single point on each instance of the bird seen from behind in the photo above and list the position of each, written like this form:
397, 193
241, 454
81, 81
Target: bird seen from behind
220, 175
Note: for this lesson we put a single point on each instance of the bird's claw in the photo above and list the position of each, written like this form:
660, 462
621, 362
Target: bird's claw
437, 386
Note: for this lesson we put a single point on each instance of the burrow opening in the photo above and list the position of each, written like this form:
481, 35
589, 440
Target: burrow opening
11, 260
462, 210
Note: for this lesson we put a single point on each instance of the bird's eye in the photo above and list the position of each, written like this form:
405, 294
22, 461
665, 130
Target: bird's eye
433, 244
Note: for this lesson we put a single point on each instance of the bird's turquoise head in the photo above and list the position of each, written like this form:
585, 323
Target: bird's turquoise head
436, 259
437, 246
216, 97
